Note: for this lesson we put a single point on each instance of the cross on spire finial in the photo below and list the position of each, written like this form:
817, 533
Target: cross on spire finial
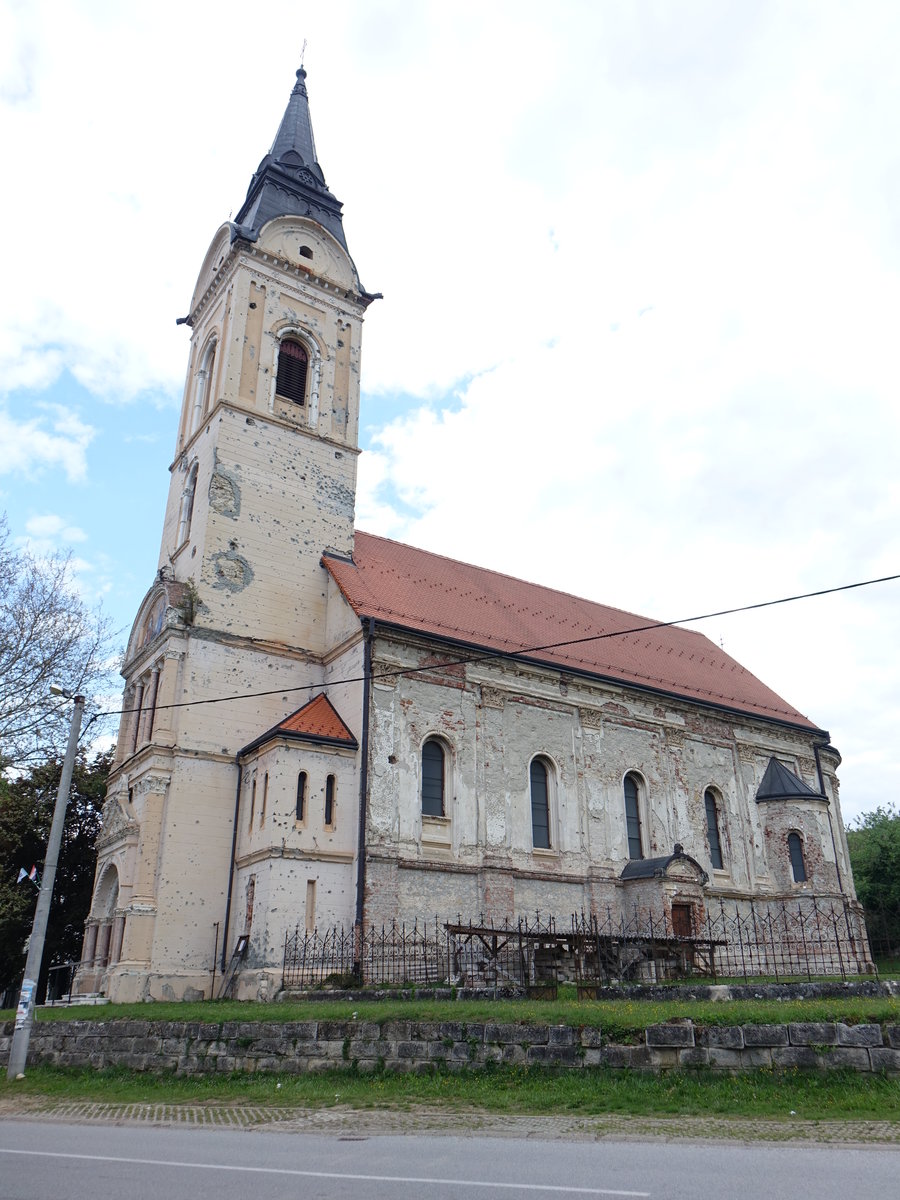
303, 52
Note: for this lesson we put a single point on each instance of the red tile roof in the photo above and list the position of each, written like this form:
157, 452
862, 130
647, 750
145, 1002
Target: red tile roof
416, 590
317, 721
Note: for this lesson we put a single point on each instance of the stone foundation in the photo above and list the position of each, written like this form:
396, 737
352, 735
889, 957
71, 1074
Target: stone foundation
297, 1047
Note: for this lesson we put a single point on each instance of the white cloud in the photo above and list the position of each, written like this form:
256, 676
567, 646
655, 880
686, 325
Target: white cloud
55, 528
51, 439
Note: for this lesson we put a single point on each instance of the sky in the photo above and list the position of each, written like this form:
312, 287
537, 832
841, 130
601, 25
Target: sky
641, 276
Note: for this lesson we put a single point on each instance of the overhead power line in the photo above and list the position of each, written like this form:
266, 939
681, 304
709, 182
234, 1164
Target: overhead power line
489, 654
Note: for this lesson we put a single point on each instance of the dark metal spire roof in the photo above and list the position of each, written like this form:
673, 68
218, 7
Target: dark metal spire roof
289, 180
779, 783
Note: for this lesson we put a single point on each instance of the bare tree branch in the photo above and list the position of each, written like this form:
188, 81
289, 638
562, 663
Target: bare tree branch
47, 635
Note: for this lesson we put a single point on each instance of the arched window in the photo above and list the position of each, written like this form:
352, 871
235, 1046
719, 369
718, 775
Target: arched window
187, 506
203, 386
301, 795
265, 798
293, 366
633, 817
712, 829
433, 779
795, 849
539, 780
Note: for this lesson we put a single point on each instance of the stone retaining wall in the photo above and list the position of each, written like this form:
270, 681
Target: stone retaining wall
301, 1046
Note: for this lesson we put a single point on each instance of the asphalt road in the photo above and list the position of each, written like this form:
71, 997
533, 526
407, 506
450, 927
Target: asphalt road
40, 1160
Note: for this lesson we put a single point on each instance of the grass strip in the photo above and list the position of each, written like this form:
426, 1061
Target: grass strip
620, 1020
784, 1096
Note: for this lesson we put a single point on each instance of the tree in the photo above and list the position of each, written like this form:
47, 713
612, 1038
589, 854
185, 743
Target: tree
47, 636
26, 810
875, 858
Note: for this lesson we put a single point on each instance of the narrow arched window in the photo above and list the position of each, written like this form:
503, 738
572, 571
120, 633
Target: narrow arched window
329, 802
633, 817
795, 849
540, 805
203, 386
265, 798
186, 514
301, 795
252, 805
712, 829
293, 366
433, 779
206, 378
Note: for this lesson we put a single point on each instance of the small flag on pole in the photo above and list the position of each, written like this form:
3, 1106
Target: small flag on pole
32, 875
23, 874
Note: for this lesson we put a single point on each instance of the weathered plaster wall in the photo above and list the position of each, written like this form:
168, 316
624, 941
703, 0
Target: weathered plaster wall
493, 719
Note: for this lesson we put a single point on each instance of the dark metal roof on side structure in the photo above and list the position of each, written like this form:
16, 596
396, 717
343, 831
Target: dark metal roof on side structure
656, 868
289, 180
779, 783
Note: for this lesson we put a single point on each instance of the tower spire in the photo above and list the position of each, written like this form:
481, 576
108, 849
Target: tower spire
289, 180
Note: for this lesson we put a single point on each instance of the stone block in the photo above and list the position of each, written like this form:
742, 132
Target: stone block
590, 1037
561, 1035
412, 1050
728, 1037
308, 1030
635, 1057
335, 1031
535, 1035
802, 1057
765, 1035
884, 1058
452, 1029
670, 1035
475, 1029
513, 1053
593, 1058
859, 1035
557, 1055
694, 1056
663, 1058
505, 1033
725, 1059
364, 1048
892, 1036
851, 1058
813, 1033
757, 1058
396, 1031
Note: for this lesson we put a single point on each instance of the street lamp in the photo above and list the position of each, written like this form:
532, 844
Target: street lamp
25, 1014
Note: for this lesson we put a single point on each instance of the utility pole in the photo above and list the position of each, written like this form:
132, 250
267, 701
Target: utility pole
25, 1014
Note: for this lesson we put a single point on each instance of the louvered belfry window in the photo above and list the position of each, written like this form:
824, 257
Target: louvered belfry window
293, 364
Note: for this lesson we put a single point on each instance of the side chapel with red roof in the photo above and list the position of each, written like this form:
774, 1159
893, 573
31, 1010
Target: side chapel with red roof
324, 728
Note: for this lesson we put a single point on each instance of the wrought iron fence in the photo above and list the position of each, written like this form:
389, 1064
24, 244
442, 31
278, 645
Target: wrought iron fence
738, 939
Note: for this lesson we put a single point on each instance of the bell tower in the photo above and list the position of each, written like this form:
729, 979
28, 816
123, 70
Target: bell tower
262, 484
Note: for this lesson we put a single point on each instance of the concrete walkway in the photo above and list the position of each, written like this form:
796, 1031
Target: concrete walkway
348, 1123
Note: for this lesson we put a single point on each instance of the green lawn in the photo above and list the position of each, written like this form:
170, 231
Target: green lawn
786, 1096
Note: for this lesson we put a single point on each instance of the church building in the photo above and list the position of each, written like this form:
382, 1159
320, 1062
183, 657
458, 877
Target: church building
325, 728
